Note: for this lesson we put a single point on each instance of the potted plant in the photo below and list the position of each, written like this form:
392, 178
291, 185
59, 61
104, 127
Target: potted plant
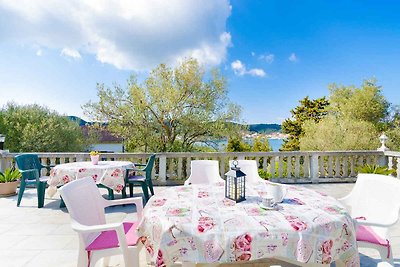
94, 157
9, 181
374, 168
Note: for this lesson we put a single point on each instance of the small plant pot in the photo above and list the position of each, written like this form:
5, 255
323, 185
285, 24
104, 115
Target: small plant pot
94, 159
8, 189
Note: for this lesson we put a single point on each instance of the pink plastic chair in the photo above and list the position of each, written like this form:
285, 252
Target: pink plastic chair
375, 204
204, 172
97, 239
249, 167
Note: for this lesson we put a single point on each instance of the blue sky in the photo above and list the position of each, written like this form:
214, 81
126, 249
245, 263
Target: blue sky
273, 53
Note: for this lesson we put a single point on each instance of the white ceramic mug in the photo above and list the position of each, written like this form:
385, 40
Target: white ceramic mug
267, 201
277, 192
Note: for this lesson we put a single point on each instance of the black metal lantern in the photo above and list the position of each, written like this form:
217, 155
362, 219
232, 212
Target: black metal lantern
235, 183
2, 140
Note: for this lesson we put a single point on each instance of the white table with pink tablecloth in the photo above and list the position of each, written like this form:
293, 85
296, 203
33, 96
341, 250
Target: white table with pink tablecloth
108, 173
198, 224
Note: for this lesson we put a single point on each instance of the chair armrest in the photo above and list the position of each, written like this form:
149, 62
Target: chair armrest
94, 228
139, 164
134, 170
376, 224
27, 171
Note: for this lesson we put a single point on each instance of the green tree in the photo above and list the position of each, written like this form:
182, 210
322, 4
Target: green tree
236, 144
313, 110
356, 116
32, 128
172, 110
339, 133
261, 145
366, 103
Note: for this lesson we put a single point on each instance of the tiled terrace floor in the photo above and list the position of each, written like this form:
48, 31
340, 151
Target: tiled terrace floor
43, 237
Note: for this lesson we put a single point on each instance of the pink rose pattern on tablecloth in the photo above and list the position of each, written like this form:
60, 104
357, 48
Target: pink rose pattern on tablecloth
307, 228
242, 247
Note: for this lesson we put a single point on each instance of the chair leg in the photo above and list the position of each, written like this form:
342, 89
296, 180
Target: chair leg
150, 184
145, 191
21, 192
124, 192
41, 188
131, 190
62, 203
110, 194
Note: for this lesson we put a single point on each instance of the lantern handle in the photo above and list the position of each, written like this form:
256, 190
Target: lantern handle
235, 165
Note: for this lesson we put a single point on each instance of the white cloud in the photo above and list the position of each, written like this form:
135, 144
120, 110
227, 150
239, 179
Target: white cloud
39, 52
71, 53
269, 58
293, 57
253, 54
135, 35
240, 69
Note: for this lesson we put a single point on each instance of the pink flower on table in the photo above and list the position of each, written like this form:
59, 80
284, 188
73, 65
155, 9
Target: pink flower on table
296, 223
160, 261
66, 179
205, 224
326, 249
243, 256
285, 239
202, 194
243, 242
115, 173
94, 176
304, 250
119, 187
158, 202
82, 170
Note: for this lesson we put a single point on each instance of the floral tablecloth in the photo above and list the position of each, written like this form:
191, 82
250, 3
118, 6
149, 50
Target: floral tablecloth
108, 173
197, 224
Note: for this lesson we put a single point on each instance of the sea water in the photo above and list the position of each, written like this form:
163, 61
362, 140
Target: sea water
274, 143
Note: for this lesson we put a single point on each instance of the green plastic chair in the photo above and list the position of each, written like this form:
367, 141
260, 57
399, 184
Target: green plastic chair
145, 182
30, 167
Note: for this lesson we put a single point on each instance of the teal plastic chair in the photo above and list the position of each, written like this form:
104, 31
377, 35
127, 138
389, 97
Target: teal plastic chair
132, 178
30, 167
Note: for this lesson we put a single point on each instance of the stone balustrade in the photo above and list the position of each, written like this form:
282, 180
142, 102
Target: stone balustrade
285, 167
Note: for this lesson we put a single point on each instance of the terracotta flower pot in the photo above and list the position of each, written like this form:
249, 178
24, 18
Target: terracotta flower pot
8, 189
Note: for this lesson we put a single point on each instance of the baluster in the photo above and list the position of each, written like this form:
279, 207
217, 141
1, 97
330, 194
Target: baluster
179, 168
297, 167
352, 166
330, 163
280, 167
360, 161
265, 163
368, 160
337, 166
171, 168
44, 162
345, 167
53, 161
321, 166
390, 163
289, 167
306, 166
62, 160
273, 167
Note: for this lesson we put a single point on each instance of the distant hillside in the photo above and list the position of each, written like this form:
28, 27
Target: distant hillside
106, 136
264, 128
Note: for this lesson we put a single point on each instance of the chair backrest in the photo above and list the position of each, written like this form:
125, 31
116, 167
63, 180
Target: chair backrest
84, 203
377, 198
149, 166
249, 167
29, 162
204, 172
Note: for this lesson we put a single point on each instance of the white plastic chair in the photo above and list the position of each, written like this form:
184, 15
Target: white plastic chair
204, 172
249, 167
97, 239
375, 204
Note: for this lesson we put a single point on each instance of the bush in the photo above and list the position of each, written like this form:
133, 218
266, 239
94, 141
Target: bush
373, 168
